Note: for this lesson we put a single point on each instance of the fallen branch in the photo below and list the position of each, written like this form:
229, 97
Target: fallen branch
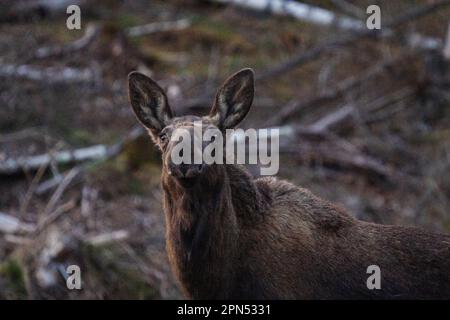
300, 11
94, 153
10, 224
10, 166
162, 26
324, 123
315, 143
53, 216
106, 238
59, 192
327, 153
57, 179
91, 33
48, 74
389, 99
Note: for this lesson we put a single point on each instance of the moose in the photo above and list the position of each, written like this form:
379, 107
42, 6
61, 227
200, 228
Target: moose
232, 236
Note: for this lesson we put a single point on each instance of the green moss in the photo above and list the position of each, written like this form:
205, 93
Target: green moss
446, 225
79, 137
126, 21
13, 276
221, 30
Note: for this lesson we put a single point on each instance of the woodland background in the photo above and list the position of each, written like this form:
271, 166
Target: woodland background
79, 181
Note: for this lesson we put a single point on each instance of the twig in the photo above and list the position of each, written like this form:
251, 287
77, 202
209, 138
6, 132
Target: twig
49, 184
53, 216
324, 123
91, 33
31, 190
389, 99
60, 190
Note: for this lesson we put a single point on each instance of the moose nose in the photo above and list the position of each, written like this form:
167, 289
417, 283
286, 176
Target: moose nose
186, 170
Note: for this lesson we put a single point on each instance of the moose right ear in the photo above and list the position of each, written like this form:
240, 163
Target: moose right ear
149, 102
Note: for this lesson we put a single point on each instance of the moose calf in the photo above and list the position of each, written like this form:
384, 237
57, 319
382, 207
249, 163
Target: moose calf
230, 236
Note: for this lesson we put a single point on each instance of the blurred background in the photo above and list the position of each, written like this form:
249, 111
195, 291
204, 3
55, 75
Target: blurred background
368, 114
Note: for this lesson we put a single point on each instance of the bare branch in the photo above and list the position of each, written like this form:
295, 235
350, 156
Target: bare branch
10, 224
300, 11
53, 216
324, 123
60, 191
10, 166
105, 238
154, 27
48, 74
446, 51
91, 33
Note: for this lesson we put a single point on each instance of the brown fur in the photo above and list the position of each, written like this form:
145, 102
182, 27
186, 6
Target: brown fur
230, 236
234, 237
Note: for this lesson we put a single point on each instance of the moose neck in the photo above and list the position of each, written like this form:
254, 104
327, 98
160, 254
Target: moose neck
203, 227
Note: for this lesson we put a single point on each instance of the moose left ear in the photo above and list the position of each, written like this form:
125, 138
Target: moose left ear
149, 102
233, 100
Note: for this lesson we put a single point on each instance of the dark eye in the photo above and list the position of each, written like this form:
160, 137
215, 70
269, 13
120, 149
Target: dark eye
163, 138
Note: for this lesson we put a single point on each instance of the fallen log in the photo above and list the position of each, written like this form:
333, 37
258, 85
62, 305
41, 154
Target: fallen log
96, 152
300, 11
48, 74
10, 166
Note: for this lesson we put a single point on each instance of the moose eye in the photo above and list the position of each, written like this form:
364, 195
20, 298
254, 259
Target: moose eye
163, 138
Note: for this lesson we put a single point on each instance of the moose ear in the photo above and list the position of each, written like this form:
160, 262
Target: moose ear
149, 102
233, 100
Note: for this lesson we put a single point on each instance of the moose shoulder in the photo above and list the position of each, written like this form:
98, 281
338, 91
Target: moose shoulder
231, 236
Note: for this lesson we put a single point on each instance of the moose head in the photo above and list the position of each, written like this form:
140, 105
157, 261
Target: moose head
151, 107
